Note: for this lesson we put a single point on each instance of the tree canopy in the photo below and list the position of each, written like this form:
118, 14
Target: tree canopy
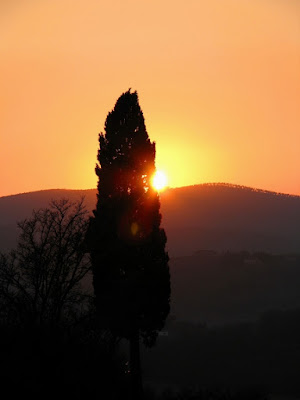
127, 244
41, 280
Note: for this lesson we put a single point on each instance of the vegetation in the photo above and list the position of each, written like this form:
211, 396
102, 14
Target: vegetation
126, 242
41, 280
241, 357
51, 341
194, 217
67, 354
235, 324
46, 353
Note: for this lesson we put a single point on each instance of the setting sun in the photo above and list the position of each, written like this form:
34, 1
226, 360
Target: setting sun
159, 180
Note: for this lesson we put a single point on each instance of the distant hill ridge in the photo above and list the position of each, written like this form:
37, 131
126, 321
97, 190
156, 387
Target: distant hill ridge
199, 185
216, 216
235, 186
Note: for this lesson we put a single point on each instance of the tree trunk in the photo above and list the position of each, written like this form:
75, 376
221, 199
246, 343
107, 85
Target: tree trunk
135, 367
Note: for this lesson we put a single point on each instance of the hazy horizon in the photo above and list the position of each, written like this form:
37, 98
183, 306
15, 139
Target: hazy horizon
166, 188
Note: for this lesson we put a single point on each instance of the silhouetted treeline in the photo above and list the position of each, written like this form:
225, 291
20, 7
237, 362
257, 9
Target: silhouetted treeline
264, 354
72, 363
219, 287
56, 349
51, 342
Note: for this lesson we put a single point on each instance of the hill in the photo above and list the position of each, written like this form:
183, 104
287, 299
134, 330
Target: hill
227, 217
208, 216
217, 239
235, 310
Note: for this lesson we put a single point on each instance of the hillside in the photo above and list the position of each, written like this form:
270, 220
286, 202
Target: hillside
209, 286
208, 216
216, 288
227, 217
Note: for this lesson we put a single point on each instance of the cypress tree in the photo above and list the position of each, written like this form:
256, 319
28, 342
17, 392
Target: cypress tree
127, 245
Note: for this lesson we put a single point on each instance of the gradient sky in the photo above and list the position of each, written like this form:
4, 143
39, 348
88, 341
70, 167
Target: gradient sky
218, 82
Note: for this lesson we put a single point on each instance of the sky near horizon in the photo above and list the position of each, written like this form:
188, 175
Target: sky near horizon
218, 82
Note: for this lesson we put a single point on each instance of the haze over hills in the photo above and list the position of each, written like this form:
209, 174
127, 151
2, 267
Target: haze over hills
208, 216
202, 223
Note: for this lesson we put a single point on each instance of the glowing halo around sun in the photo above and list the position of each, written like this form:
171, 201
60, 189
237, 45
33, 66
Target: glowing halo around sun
159, 180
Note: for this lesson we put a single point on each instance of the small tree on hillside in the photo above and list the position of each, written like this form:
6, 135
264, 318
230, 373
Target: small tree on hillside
126, 242
41, 280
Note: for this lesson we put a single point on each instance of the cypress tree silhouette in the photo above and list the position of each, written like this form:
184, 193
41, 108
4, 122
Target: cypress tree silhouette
127, 245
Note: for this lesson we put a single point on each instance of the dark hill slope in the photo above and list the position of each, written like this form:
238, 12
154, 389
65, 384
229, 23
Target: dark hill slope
220, 216
225, 287
206, 286
18, 207
209, 216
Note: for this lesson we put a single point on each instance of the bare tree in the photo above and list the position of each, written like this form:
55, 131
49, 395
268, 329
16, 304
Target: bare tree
41, 280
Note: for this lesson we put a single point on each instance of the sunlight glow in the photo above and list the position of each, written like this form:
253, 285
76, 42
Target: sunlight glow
159, 180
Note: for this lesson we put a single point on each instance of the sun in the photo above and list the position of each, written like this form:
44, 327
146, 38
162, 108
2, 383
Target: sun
159, 180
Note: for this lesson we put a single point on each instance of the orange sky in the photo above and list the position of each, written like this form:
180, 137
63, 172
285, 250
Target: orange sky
218, 82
